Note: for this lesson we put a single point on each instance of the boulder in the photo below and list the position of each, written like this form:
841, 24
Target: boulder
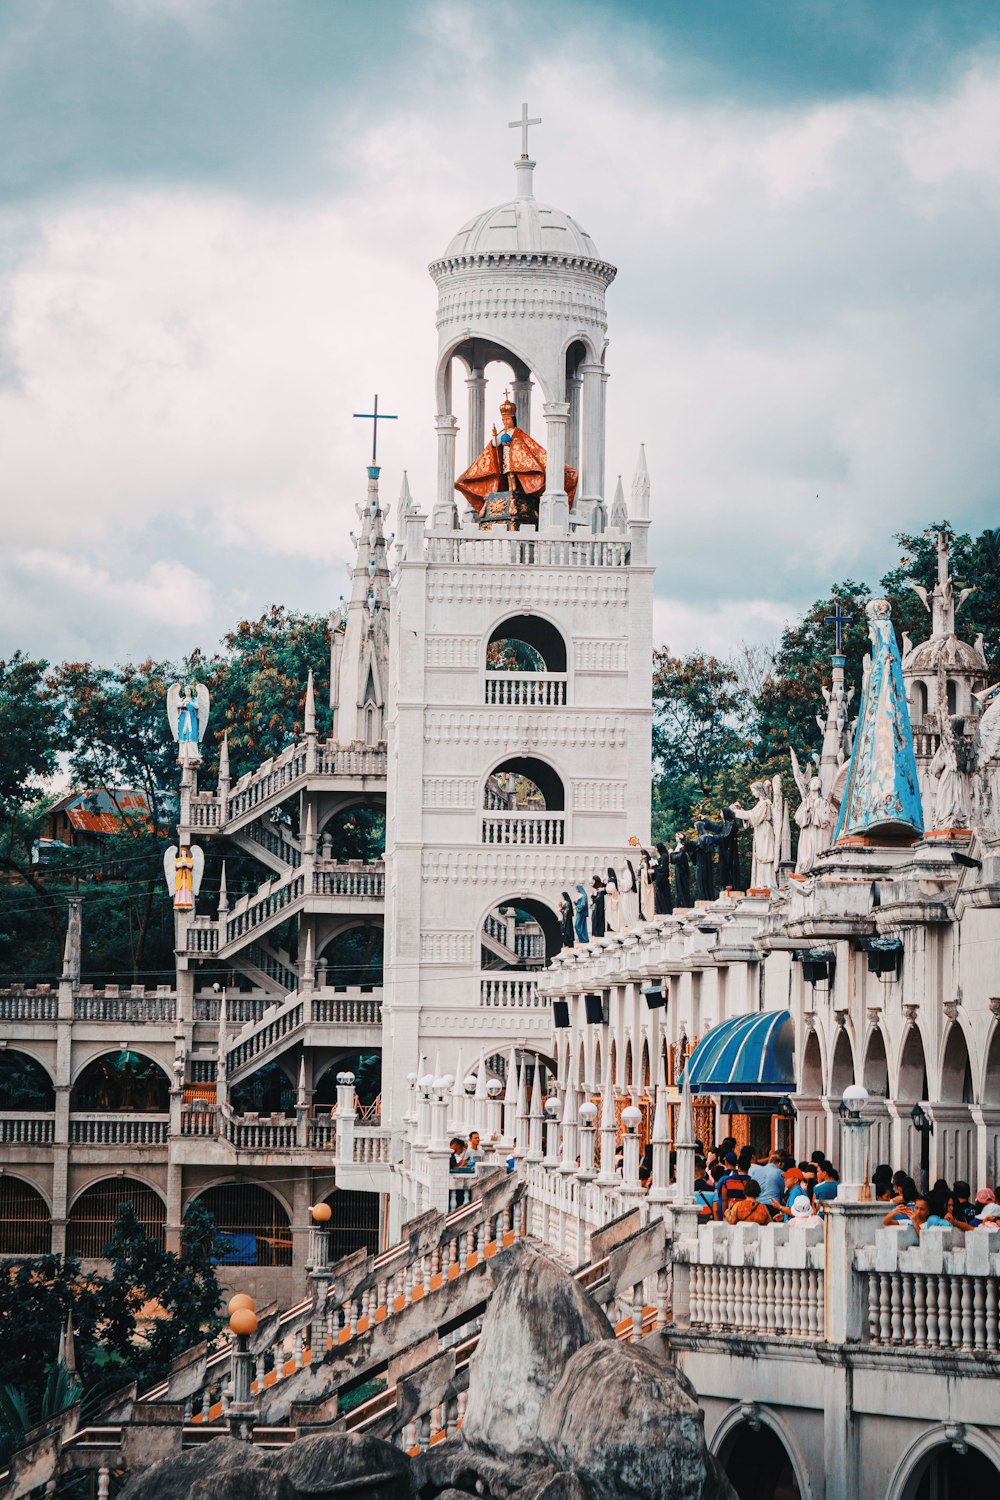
325, 1465
345, 1466
623, 1420
536, 1319
223, 1469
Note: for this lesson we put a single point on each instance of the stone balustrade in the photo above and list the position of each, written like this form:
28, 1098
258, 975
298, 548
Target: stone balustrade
251, 912
118, 1130
514, 549
524, 828
273, 837
526, 689
261, 1036
17, 1129
20, 1004
347, 1010
763, 1279
510, 993
135, 1008
355, 880
941, 1293
202, 936
240, 1009
372, 1145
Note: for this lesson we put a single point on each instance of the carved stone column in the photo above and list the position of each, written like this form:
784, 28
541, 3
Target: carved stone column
574, 390
554, 509
446, 428
591, 489
476, 386
520, 391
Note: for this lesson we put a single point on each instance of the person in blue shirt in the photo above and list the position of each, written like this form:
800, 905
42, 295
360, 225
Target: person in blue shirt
827, 1181
771, 1178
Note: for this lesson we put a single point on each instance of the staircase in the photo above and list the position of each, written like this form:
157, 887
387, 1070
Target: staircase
272, 843
294, 1020
351, 767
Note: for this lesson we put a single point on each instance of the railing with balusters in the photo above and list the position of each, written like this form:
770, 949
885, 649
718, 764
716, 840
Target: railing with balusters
251, 911
118, 1130
21, 1005
372, 1145
511, 549
17, 1129
355, 879
526, 689
134, 1008
763, 1279
239, 1008
272, 836
931, 1296
511, 994
347, 1010
287, 1019
518, 828
202, 936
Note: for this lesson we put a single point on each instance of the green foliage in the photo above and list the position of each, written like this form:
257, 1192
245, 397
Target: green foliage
259, 690
20, 1411
975, 562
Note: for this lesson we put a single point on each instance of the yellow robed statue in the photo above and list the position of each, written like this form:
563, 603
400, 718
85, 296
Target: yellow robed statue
506, 481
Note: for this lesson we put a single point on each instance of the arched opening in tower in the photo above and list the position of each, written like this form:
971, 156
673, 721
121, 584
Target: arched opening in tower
526, 643
520, 934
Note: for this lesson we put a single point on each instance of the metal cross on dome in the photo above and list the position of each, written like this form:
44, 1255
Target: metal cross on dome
838, 619
522, 125
375, 417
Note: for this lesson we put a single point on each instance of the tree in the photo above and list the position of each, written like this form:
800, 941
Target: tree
699, 733
260, 686
973, 562
29, 743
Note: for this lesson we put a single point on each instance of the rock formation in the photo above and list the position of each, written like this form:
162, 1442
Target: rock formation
558, 1409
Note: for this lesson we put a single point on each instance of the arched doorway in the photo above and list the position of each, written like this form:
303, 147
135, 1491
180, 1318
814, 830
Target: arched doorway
24, 1084
842, 1066
522, 933
758, 1465
353, 959
355, 833
254, 1223
25, 1221
946, 1474
354, 1222
526, 643
122, 1082
92, 1218
812, 1068
956, 1132
875, 1077
911, 1088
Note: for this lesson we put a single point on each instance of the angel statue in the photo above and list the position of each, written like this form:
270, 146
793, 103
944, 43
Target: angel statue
953, 765
766, 834
814, 818
986, 779
187, 711
183, 869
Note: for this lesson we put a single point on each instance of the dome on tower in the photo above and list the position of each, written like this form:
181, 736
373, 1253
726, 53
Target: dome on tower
522, 225
945, 653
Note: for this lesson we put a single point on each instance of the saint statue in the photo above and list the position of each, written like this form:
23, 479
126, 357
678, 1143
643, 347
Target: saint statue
566, 920
766, 836
628, 887
505, 483
986, 781
704, 864
953, 765
187, 713
582, 912
682, 872
612, 902
882, 796
814, 818
597, 915
662, 897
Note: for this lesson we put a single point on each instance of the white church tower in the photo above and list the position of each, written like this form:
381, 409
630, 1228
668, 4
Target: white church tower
519, 690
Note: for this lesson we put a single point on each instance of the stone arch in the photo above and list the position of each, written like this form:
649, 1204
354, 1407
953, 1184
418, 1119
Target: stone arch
629, 1078
25, 1082
25, 1218
590, 351
537, 909
930, 1447
366, 1067
543, 637
875, 1069
490, 353
541, 773
356, 829
918, 702
990, 1091
91, 1219
130, 1081
777, 1451
811, 1084
582, 1077
841, 1063
911, 1075
956, 1085
268, 1090
354, 956
254, 1220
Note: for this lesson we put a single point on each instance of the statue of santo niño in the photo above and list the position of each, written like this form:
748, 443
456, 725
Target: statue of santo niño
506, 481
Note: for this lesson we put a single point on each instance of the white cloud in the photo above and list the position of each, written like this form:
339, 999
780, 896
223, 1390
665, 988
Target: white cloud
803, 332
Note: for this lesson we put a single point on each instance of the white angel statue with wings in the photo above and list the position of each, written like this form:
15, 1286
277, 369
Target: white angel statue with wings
187, 711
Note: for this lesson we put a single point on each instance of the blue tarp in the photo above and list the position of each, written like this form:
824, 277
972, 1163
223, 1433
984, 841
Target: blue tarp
747, 1055
241, 1250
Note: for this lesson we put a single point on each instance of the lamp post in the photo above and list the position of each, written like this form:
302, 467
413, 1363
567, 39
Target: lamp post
588, 1133
925, 1126
242, 1324
631, 1118
552, 1109
319, 1238
854, 1164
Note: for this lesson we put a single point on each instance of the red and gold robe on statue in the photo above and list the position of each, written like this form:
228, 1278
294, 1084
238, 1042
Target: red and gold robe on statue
511, 462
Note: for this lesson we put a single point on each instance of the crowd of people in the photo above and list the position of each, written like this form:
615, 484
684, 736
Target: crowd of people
744, 1187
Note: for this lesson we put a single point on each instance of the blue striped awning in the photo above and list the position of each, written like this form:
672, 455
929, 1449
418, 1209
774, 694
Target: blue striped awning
747, 1055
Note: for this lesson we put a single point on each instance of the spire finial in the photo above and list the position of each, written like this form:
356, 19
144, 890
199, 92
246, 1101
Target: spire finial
524, 166
224, 758
223, 894
375, 417
640, 487
618, 520
309, 721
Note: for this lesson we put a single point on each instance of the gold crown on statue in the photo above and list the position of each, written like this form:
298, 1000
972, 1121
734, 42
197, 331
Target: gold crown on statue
507, 405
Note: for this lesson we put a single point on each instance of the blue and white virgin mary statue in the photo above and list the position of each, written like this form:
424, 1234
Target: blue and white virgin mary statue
882, 796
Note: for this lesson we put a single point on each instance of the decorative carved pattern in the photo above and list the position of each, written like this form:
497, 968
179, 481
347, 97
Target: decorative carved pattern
596, 654
512, 589
450, 791
446, 947
528, 731
515, 299
911, 1012
950, 1008
452, 650
597, 795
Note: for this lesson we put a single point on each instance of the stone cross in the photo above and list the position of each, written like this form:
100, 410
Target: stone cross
522, 125
375, 417
838, 619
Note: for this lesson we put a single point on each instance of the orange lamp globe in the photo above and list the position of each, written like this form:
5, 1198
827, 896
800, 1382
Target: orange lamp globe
243, 1320
240, 1300
321, 1213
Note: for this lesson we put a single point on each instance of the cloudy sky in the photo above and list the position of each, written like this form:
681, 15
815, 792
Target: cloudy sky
215, 222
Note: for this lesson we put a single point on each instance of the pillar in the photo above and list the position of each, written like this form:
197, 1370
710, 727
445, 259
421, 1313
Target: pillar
590, 491
446, 428
574, 390
476, 386
554, 509
520, 391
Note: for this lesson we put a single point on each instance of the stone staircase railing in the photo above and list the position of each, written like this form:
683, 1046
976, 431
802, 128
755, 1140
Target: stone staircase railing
275, 1027
523, 828
271, 838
